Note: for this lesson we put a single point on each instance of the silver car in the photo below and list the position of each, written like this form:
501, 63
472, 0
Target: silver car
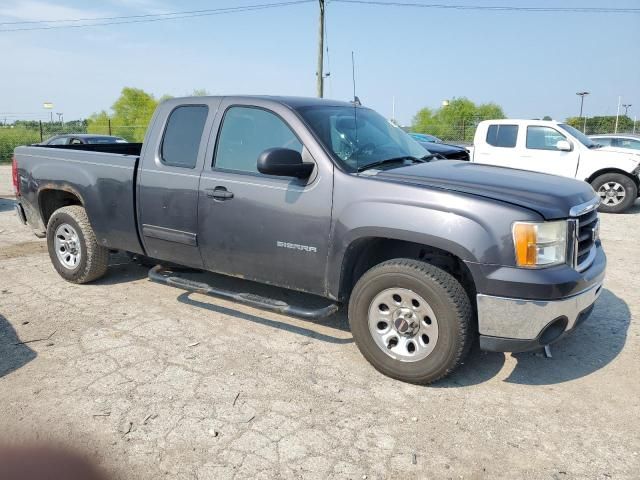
620, 140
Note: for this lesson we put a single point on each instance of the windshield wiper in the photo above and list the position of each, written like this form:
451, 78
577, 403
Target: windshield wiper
595, 145
394, 160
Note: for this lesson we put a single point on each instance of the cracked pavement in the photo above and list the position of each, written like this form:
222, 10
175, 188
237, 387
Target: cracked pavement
151, 382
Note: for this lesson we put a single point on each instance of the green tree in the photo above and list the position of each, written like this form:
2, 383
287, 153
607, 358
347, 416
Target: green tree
132, 112
601, 124
200, 92
98, 123
455, 121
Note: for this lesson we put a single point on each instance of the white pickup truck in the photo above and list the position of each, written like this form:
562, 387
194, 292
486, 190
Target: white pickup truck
559, 149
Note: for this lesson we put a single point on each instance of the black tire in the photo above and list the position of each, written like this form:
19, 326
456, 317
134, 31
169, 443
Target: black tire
629, 186
93, 258
446, 297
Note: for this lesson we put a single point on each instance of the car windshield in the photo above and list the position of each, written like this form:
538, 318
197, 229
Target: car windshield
577, 134
106, 140
423, 137
358, 137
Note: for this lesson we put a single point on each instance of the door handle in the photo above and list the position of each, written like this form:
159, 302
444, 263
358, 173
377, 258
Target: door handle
219, 193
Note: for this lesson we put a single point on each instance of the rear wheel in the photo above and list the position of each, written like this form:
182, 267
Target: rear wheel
410, 320
617, 192
73, 248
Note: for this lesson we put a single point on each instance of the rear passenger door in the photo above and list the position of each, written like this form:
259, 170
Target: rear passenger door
499, 146
169, 177
265, 228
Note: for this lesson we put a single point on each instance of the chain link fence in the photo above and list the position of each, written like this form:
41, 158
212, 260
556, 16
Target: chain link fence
462, 133
29, 132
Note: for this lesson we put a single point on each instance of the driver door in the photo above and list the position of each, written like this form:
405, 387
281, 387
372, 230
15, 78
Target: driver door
260, 227
542, 155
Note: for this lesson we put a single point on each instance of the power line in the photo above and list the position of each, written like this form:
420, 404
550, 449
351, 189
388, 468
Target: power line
499, 8
100, 21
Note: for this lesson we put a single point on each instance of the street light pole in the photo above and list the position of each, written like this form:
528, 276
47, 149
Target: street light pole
626, 107
582, 95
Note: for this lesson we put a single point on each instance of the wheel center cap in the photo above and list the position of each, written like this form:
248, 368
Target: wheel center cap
405, 322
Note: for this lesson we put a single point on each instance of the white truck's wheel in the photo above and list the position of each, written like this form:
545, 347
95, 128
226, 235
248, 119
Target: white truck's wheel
617, 192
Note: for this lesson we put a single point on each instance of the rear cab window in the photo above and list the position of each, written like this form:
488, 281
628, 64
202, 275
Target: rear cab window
182, 136
504, 136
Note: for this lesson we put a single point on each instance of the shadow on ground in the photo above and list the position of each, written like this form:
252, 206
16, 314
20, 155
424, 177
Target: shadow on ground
594, 345
122, 269
13, 354
6, 204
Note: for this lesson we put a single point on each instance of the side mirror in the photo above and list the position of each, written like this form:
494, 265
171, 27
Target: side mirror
564, 146
284, 163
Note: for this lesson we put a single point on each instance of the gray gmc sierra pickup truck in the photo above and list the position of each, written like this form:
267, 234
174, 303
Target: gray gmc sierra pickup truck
331, 199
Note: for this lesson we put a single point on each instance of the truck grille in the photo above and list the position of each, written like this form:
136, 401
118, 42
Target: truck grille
585, 239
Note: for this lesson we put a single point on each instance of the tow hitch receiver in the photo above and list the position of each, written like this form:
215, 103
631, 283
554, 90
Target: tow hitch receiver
160, 275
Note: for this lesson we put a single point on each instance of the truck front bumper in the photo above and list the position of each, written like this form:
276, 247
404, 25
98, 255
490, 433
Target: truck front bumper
518, 325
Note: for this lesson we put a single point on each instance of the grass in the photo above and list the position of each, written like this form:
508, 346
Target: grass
11, 138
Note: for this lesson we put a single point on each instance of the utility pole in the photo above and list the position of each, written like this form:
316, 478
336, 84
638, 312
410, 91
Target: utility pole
617, 114
626, 107
320, 73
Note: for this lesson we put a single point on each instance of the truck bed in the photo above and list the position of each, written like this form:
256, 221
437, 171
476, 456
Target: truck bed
120, 148
101, 177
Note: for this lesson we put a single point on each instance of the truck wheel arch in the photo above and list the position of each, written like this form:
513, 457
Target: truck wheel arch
364, 253
51, 199
603, 171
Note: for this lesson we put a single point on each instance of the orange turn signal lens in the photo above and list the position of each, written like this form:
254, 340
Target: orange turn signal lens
525, 241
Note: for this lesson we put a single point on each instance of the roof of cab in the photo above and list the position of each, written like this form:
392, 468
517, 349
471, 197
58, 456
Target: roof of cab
291, 102
522, 121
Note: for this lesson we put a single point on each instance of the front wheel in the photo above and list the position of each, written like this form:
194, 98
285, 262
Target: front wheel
73, 248
411, 320
617, 192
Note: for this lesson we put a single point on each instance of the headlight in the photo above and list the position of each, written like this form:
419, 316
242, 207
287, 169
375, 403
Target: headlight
541, 244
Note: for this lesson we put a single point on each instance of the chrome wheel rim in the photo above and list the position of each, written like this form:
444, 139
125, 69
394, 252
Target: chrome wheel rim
611, 193
403, 325
67, 246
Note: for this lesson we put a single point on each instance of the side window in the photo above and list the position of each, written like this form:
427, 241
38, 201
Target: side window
59, 141
543, 138
182, 135
504, 136
606, 142
630, 143
75, 141
246, 132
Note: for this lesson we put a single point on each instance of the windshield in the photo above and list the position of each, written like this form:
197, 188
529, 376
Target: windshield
424, 137
578, 135
358, 136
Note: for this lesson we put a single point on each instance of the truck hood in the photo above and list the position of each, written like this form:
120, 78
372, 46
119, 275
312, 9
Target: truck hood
549, 195
623, 151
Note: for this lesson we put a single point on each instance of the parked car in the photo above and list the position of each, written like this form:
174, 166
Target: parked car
618, 140
559, 149
425, 137
82, 139
452, 152
331, 199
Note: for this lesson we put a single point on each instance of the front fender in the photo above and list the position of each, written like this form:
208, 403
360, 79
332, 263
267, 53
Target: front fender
474, 229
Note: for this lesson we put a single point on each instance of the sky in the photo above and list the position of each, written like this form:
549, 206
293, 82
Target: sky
532, 64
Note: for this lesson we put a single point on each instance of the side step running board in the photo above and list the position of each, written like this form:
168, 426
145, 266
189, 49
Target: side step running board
160, 275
